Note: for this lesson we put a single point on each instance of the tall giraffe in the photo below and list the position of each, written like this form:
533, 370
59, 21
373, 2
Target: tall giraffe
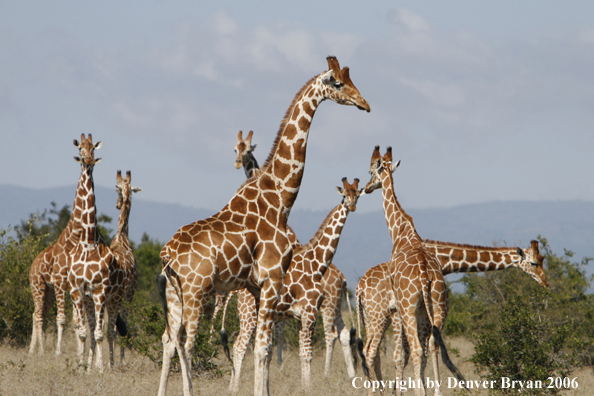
124, 277
333, 283
301, 295
415, 274
376, 301
89, 274
246, 243
48, 275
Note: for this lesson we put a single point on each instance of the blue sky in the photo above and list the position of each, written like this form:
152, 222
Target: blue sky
481, 101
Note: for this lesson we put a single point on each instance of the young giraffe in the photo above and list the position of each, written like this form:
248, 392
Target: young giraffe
301, 295
48, 275
415, 273
246, 243
122, 249
376, 302
333, 282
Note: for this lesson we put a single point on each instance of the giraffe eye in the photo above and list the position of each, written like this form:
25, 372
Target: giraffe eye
338, 84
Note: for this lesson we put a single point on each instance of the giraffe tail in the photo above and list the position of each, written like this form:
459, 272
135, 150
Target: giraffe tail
360, 339
224, 337
121, 326
445, 357
161, 286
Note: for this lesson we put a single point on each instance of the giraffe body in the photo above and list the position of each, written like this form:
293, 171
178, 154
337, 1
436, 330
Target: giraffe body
420, 292
302, 293
246, 243
376, 302
333, 285
48, 275
124, 276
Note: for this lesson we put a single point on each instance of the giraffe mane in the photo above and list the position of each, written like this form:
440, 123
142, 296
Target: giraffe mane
283, 124
468, 246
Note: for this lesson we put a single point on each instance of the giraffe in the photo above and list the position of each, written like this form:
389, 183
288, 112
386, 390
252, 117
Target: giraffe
333, 282
245, 244
92, 261
301, 295
48, 275
126, 274
415, 275
376, 302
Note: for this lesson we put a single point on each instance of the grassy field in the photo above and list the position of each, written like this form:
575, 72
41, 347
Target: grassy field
25, 375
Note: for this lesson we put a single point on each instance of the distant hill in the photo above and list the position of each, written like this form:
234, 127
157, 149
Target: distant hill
365, 241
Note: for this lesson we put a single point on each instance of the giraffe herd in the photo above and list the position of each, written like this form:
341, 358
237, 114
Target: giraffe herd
248, 249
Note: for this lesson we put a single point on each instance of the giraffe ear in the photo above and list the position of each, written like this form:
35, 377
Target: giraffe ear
77, 159
97, 161
76, 143
340, 190
98, 145
394, 166
136, 189
253, 147
520, 252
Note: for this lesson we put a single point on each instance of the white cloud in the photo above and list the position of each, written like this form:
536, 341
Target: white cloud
413, 23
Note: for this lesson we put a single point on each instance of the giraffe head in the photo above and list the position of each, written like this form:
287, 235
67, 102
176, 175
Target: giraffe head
532, 263
86, 151
124, 188
243, 149
350, 194
338, 86
377, 166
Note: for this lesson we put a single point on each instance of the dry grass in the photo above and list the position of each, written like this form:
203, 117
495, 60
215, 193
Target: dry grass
21, 374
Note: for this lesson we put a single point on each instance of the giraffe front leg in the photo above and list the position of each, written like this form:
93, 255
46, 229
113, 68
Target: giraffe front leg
112, 314
92, 321
38, 291
80, 326
330, 334
345, 341
263, 345
308, 323
60, 292
99, 302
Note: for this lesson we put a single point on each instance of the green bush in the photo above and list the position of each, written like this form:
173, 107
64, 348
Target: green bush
525, 347
16, 303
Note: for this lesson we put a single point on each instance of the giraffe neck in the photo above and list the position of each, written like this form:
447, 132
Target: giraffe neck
324, 243
72, 231
123, 219
250, 165
286, 161
467, 258
90, 235
400, 224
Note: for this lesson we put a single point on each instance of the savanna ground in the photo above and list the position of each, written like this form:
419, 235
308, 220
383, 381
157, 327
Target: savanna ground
33, 375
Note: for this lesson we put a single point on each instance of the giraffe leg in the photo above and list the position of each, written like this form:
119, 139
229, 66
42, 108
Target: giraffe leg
99, 303
279, 330
401, 348
38, 290
345, 341
330, 333
80, 326
246, 304
92, 321
60, 293
308, 323
112, 314
171, 336
263, 345
417, 350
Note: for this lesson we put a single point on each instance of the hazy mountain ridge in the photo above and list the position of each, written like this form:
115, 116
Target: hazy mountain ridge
365, 241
